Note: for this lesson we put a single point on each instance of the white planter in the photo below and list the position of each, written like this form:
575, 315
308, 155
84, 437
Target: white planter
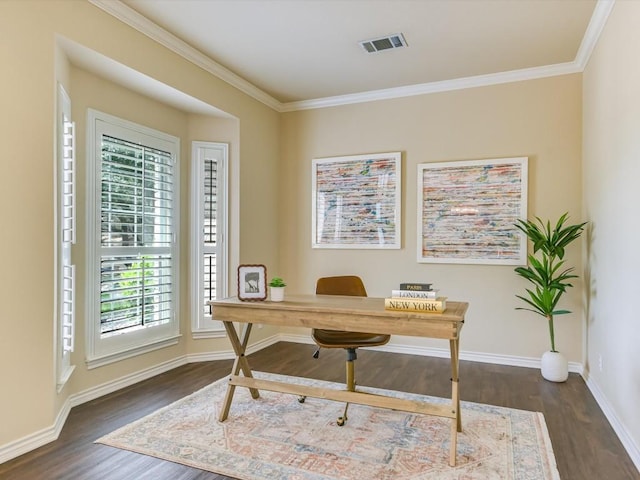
276, 294
554, 367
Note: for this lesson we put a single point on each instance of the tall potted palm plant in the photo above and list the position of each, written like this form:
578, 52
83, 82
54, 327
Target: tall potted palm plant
547, 272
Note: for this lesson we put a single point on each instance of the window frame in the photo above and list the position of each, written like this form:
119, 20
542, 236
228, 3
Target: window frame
102, 350
202, 325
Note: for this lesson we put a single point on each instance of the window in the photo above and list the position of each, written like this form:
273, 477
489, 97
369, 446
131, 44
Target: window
65, 193
133, 253
209, 225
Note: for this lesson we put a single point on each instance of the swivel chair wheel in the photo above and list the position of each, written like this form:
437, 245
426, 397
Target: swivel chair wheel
341, 421
301, 399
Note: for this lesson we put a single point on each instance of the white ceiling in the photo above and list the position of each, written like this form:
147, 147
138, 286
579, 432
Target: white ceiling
297, 51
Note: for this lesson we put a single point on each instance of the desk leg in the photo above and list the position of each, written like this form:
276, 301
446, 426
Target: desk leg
456, 424
240, 363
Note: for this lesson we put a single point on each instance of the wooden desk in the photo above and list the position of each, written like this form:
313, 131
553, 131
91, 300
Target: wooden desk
355, 314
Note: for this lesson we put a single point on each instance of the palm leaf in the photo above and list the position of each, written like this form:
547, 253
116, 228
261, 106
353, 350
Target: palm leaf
546, 267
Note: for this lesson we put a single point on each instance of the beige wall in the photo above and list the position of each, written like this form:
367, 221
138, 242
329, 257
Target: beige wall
26, 246
611, 199
539, 119
271, 157
91, 91
227, 131
31, 60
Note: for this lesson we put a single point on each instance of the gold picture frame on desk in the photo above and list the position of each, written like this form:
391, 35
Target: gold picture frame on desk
252, 282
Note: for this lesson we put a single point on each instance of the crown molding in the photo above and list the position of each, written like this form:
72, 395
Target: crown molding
137, 21
145, 26
594, 29
436, 87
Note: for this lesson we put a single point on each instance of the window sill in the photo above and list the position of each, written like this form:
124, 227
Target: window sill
64, 378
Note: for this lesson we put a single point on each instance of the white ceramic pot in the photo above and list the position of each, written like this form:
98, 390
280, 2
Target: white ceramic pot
276, 294
554, 367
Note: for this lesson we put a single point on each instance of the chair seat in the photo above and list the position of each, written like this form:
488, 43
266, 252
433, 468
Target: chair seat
340, 339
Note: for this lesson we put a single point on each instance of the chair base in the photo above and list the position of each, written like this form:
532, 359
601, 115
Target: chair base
351, 382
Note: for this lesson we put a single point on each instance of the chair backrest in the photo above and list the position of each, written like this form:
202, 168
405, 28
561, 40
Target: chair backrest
341, 285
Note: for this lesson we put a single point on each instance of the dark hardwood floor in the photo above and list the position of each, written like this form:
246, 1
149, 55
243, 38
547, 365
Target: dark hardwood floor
585, 445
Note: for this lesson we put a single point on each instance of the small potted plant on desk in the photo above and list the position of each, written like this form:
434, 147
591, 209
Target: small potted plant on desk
545, 271
276, 289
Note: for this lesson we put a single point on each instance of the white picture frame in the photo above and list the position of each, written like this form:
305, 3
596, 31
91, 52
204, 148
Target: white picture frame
356, 201
467, 211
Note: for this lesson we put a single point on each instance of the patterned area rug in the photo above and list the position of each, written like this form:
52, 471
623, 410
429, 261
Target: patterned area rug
277, 438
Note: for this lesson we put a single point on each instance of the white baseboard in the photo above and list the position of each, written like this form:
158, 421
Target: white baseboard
35, 440
227, 354
623, 434
509, 360
42, 437
122, 382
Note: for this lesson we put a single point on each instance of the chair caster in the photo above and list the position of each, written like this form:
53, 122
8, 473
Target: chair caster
341, 421
301, 399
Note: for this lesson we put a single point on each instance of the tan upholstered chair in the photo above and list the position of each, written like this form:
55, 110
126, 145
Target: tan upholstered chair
350, 341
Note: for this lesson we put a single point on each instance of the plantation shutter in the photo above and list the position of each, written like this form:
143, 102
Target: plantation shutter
137, 234
67, 235
210, 231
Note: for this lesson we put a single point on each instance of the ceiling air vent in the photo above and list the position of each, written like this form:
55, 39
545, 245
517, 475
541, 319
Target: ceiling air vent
384, 43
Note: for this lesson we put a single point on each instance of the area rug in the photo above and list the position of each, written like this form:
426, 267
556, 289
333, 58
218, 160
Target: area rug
277, 438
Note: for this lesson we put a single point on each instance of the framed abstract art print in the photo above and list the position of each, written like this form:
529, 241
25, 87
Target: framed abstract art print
356, 201
467, 211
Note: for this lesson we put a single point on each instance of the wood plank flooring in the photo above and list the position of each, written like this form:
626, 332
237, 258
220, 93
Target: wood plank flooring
585, 445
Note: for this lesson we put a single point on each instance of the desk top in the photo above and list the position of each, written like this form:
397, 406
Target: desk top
339, 312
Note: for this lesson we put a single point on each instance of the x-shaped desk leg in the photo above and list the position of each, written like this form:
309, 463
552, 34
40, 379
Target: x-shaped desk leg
240, 363
456, 424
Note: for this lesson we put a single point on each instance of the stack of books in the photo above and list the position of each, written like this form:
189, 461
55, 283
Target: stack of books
416, 297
